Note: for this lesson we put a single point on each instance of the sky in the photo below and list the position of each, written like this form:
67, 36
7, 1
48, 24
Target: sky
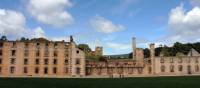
108, 23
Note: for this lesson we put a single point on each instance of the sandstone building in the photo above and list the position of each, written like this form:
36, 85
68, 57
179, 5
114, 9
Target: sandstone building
139, 66
43, 58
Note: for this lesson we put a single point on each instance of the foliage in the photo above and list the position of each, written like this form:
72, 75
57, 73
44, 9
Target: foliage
88, 52
4, 38
146, 53
24, 39
177, 48
85, 48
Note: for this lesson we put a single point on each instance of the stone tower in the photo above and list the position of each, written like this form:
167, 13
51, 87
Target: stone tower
139, 55
77, 60
134, 47
99, 51
152, 57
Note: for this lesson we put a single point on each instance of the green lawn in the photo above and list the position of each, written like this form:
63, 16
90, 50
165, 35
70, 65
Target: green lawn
158, 82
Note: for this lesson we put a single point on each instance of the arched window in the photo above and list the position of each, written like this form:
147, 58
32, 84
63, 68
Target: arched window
25, 70
162, 60
197, 60
180, 68
130, 70
45, 70
140, 70
162, 68
78, 70
197, 68
54, 70
172, 68
150, 70
77, 61
171, 60
189, 69
180, 60
36, 70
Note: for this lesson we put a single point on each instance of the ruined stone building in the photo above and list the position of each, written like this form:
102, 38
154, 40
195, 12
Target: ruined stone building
43, 58
153, 66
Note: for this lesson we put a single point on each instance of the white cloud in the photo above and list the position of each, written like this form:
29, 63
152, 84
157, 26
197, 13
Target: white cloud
65, 38
184, 26
195, 2
118, 46
51, 12
103, 25
12, 23
95, 43
38, 33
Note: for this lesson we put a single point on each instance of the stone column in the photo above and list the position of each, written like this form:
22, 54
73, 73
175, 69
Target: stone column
134, 47
152, 57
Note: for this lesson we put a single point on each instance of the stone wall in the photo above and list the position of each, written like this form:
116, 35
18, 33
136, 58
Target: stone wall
41, 59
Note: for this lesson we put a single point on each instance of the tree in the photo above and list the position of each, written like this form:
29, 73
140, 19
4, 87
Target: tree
88, 52
130, 55
85, 48
23, 39
4, 38
158, 51
146, 53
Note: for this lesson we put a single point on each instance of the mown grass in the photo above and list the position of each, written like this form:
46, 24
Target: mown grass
154, 82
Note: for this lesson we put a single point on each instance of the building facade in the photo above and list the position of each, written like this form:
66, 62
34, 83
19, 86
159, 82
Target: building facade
179, 65
43, 58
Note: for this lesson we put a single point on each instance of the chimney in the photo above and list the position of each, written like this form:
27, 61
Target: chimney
71, 38
152, 57
134, 46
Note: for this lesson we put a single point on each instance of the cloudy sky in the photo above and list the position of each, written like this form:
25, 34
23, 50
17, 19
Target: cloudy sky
107, 23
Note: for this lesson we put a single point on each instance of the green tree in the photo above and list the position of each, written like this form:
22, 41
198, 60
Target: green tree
88, 52
4, 38
146, 53
85, 48
23, 39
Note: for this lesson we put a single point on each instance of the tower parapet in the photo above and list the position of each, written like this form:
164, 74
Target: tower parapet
99, 51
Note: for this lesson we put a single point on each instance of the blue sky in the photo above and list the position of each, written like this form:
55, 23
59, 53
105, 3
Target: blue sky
107, 23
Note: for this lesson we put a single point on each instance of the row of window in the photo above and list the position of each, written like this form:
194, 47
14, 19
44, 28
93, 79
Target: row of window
180, 68
37, 61
46, 53
37, 45
45, 70
26, 53
26, 45
37, 70
180, 60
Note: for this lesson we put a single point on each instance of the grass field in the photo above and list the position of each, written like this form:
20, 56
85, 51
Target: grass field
158, 82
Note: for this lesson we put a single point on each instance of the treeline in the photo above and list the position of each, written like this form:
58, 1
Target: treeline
173, 50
